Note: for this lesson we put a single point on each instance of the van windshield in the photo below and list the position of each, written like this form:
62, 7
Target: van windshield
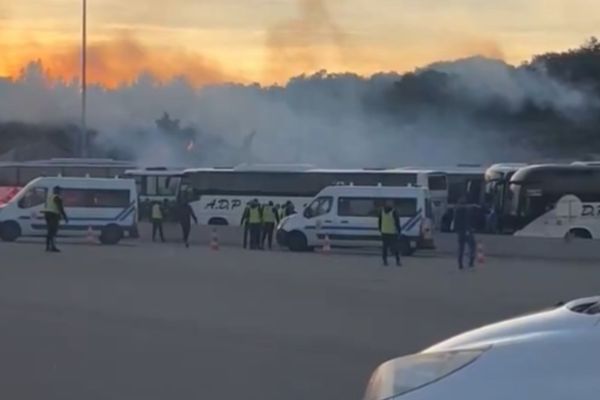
319, 206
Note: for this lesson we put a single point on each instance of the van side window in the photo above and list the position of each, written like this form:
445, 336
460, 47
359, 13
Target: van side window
357, 207
370, 207
34, 197
95, 198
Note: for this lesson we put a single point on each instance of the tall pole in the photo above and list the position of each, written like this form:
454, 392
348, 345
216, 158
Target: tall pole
84, 135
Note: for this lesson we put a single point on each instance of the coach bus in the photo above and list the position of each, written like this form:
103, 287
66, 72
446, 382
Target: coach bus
218, 195
497, 193
558, 201
15, 175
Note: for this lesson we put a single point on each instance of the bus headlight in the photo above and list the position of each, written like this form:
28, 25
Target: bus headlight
406, 374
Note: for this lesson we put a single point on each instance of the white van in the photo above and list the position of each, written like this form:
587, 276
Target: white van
104, 207
348, 216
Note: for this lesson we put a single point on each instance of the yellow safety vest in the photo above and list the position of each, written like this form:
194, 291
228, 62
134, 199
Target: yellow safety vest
254, 217
156, 212
51, 206
268, 215
388, 224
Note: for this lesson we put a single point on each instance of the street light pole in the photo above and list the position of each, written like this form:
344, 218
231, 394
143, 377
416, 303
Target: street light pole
84, 135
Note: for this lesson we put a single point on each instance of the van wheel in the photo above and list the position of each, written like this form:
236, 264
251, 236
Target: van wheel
111, 234
218, 222
580, 233
297, 241
10, 231
405, 248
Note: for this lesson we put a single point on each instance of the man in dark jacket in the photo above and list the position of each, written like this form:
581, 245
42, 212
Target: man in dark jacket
185, 214
463, 226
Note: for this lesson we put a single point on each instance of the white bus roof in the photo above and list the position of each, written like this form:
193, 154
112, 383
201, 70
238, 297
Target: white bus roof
92, 183
154, 172
283, 169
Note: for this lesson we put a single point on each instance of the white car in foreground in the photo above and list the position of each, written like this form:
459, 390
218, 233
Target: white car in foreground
551, 355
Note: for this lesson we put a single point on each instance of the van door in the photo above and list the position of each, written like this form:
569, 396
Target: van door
320, 219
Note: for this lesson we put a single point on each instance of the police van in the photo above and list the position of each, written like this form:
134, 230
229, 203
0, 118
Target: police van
106, 208
347, 216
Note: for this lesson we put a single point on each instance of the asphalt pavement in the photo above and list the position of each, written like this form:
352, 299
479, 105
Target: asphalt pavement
158, 321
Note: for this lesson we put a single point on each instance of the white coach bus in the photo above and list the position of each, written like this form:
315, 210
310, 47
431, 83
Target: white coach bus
218, 195
556, 201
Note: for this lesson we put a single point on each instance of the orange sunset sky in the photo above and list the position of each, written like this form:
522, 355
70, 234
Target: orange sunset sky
270, 40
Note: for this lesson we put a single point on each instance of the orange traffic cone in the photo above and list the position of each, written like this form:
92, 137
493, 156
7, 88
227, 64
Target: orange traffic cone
214, 240
480, 254
326, 245
89, 236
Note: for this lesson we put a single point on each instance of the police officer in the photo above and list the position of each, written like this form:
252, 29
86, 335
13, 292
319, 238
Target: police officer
53, 212
270, 218
389, 226
157, 221
245, 223
289, 209
254, 224
185, 214
463, 225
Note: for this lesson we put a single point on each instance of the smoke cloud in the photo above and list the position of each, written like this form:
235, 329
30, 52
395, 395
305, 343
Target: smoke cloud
119, 60
302, 44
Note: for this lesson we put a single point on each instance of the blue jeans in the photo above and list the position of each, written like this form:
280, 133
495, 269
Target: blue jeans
466, 238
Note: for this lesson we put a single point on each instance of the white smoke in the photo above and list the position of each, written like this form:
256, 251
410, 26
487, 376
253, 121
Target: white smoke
327, 120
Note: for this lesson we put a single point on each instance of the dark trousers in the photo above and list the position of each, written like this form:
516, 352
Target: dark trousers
186, 226
389, 243
466, 238
268, 229
246, 233
157, 227
52, 223
254, 236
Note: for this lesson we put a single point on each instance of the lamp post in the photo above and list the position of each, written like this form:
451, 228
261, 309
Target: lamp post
84, 135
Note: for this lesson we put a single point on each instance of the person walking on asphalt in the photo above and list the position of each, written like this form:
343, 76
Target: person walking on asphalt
245, 223
53, 212
463, 226
185, 214
390, 229
254, 224
157, 222
270, 218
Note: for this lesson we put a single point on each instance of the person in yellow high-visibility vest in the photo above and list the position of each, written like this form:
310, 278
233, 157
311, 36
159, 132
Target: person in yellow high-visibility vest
53, 212
254, 224
157, 220
390, 229
270, 219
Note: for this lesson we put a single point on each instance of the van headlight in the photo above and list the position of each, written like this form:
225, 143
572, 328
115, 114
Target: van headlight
406, 374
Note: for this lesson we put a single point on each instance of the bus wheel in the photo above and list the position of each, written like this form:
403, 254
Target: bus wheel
297, 241
10, 231
580, 233
218, 221
111, 234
